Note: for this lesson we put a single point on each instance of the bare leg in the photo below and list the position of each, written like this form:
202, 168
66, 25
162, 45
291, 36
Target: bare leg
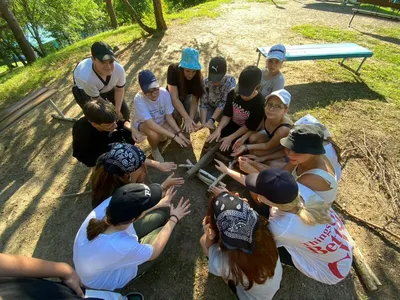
152, 137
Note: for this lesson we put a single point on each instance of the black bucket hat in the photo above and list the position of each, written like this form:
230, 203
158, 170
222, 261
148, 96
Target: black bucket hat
306, 139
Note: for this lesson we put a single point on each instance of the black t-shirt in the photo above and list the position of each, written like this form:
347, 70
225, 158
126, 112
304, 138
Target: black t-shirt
249, 113
34, 289
88, 143
173, 78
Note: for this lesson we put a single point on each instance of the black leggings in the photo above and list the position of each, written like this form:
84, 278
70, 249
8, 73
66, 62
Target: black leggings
82, 98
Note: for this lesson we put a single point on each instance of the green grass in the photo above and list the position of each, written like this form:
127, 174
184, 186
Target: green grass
380, 72
16, 84
384, 10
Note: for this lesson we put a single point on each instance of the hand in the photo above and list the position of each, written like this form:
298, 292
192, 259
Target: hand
221, 166
167, 166
238, 143
127, 125
73, 281
254, 157
239, 150
170, 181
183, 142
189, 125
119, 114
137, 136
183, 137
181, 210
214, 136
217, 190
226, 143
209, 124
166, 200
246, 166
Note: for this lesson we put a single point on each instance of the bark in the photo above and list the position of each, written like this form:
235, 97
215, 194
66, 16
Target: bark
161, 25
111, 13
135, 17
16, 29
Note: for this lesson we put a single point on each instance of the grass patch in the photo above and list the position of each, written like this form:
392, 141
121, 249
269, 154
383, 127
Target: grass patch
21, 81
381, 72
381, 9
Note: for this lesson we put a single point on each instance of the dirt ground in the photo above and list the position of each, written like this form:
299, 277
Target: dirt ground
37, 169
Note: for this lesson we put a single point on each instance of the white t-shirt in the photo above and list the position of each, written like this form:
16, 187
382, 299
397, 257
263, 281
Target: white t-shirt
88, 80
146, 109
322, 252
271, 85
109, 261
218, 265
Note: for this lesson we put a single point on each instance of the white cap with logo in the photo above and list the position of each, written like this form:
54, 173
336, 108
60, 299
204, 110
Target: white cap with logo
277, 51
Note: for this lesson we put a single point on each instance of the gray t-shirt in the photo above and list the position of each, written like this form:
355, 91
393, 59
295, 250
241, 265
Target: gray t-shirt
271, 85
218, 265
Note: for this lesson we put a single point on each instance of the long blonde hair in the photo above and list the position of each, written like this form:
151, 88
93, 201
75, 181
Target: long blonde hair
312, 214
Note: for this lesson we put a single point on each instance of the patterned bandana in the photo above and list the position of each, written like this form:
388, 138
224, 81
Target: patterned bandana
122, 159
236, 221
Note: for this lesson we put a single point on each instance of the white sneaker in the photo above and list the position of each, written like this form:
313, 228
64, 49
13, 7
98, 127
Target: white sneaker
157, 155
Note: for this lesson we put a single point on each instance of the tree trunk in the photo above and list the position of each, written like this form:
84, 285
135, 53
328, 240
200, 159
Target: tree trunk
37, 50
36, 35
17, 31
111, 13
136, 18
161, 25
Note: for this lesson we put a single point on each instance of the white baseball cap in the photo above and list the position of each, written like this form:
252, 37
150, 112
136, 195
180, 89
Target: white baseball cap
310, 120
277, 51
282, 94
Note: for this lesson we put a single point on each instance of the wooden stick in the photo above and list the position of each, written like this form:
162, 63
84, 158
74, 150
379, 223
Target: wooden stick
338, 205
203, 161
76, 194
202, 172
220, 177
368, 277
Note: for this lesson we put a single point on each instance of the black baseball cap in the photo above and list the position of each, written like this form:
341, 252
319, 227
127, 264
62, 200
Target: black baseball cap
216, 69
307, 139
102, 51
248, 80
277, 185
129, 201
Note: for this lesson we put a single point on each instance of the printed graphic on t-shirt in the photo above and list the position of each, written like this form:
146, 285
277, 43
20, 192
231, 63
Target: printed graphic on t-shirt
333, 239
240, 115
158, 114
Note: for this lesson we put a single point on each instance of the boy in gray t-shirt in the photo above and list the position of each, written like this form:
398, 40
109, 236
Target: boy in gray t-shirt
272, 78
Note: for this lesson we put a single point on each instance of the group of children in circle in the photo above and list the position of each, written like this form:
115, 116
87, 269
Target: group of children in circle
290, 169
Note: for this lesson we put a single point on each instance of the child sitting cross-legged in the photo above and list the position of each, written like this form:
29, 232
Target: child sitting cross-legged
153, 114
265, 144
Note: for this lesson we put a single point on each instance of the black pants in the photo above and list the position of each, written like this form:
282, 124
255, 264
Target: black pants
285, 256
82, 98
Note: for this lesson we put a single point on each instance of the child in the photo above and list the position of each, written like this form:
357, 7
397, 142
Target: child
243, 111
276, 126
308, 233
332, 151
240, 248
93, 133
272, 78
216, 88
124, 235
124, 164
153, 114
185, 84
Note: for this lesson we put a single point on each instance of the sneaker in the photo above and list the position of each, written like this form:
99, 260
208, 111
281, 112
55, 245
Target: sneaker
157, 155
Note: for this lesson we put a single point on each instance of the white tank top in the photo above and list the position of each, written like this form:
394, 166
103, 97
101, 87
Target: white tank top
328, 196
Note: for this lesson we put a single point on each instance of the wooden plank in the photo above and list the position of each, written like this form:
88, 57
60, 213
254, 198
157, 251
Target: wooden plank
13, 108
25, 109
373, 13
384, 3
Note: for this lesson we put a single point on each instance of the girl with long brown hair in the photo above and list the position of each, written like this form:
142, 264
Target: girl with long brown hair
240, 247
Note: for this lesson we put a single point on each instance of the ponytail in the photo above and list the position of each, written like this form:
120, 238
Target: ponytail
96, 226
313, 214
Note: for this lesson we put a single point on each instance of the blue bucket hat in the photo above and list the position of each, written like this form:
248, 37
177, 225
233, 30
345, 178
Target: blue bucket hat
190, 59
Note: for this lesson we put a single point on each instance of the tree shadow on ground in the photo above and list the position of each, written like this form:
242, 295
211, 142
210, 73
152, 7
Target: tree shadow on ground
308, 95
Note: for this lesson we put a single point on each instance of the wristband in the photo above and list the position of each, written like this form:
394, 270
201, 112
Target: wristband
175, 135
213, 120
177, 219
173, 221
